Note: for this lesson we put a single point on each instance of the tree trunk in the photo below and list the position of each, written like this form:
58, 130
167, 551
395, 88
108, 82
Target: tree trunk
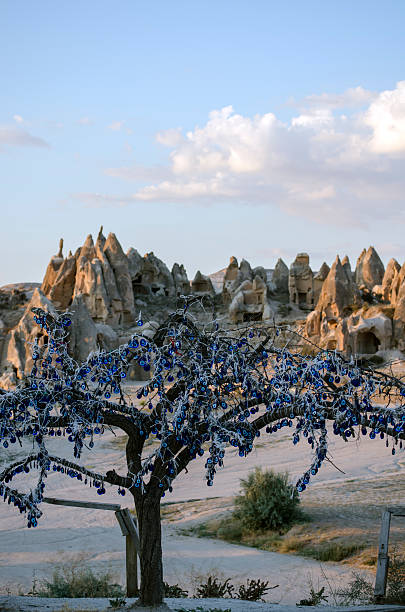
150, 535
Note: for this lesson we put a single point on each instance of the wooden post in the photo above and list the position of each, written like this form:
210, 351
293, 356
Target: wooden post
132, 567
383, 559
130, 530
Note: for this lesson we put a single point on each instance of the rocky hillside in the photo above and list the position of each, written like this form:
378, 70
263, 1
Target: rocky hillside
105, 289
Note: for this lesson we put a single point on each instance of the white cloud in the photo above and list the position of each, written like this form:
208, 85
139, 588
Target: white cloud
353, 97
313, 118
324, 165
85, 121
18, 119
386, 117
170, 138
116, 125
18, 137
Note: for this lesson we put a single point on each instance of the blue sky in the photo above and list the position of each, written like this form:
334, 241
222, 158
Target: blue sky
201, 130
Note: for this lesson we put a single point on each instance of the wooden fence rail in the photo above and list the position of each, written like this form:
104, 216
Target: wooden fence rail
129, 529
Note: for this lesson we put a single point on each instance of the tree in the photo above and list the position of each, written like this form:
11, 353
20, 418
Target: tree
212, 387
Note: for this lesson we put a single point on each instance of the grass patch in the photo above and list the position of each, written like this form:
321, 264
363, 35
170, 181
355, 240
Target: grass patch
73, 579
298, 540
331, 551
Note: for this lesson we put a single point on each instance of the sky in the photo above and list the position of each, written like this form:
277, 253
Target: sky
201, 130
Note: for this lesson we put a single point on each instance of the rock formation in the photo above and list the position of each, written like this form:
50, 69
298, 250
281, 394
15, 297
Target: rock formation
261, 273
340, 321
83, 331
250, 302
369, 269
348, 269
319, 279
17, 353
119, 264
90, 285
52, 270
60, 293
202, 285
392, 271
156, 276
300, 282
399, 312
280, 277
103, 288
338, 296
245, 271
181, 282
231, 280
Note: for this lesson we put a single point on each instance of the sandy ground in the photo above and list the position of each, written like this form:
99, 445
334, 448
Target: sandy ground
63, 533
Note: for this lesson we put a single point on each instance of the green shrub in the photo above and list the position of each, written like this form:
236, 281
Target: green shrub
118, 602
268, 501
253, 590
331, 551
396, 580
79, 582
315, 598
174, 590
230, 530
360, 590
214, 588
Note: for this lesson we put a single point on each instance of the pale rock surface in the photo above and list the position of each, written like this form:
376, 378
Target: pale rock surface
180, 279
119, 263
390, 273
114, 302
300, 282
280, 277
261, 273
326, 326
245, 271
338, 292
52, 270
156, 276
348, 269
18, 351
235, 276
107, 337
89, 284
399, 317
202, 285
250, 302
148, 329
8, 379
319, 279
368, 332
87, 250
83, 331
135, 264
393, 278
369, 269
231, 280
61, 291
